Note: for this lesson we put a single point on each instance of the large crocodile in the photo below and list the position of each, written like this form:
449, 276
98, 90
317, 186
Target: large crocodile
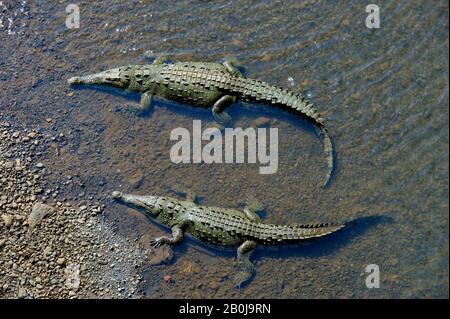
224, 227
207, 85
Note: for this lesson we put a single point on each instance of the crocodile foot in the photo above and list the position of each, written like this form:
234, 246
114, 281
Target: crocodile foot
241, 278
253, 203
157, 242
218, 110
223, 119
175, 238
246, 268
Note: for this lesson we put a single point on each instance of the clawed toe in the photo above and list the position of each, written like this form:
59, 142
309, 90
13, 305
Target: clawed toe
155, 243
223, 119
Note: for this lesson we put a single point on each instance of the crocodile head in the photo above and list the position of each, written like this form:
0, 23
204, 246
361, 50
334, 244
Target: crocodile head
113, 77
146, 204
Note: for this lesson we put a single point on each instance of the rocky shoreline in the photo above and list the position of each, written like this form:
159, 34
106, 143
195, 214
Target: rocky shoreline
51, 247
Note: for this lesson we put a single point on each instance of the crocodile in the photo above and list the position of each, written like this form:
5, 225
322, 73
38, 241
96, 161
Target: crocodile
207, 84
225, 227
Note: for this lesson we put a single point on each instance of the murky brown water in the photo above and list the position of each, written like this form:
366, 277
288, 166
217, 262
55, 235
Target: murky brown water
384, 94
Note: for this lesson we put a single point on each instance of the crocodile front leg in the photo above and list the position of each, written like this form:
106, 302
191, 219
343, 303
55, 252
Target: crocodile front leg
246, 268
251, 214
220, 116
232, 69
176, 238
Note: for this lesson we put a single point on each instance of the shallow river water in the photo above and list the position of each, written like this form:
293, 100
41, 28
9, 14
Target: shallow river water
383, 92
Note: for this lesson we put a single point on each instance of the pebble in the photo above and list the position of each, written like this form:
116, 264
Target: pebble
8, 219
261, 121
8, 164
42, 239
38, 213
72, 272
47, 251
266, 58
345, 22
22, 293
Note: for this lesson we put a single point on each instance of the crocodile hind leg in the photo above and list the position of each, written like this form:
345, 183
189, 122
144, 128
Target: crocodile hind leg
220, 116
176, 238
246, 268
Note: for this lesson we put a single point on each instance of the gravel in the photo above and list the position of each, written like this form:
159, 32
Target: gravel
51, 248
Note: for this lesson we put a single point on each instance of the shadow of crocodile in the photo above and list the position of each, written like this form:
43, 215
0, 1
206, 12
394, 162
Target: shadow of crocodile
326, 245
237, 110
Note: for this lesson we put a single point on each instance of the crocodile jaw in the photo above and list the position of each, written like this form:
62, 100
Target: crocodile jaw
145, 204
110, 77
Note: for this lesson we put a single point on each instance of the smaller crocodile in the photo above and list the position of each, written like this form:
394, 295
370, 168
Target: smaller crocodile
207, 84
226, 227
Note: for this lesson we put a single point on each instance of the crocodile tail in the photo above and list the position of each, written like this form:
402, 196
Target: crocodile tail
258, 91
288, 233
316, 230
328, 148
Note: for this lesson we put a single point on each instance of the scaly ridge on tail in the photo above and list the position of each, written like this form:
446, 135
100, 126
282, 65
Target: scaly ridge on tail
258, 91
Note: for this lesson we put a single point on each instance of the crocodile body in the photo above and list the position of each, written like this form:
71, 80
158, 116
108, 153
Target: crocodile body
207, 85
225, 227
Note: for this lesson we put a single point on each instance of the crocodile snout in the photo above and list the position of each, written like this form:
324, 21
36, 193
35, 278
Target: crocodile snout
116, 195
74, 80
